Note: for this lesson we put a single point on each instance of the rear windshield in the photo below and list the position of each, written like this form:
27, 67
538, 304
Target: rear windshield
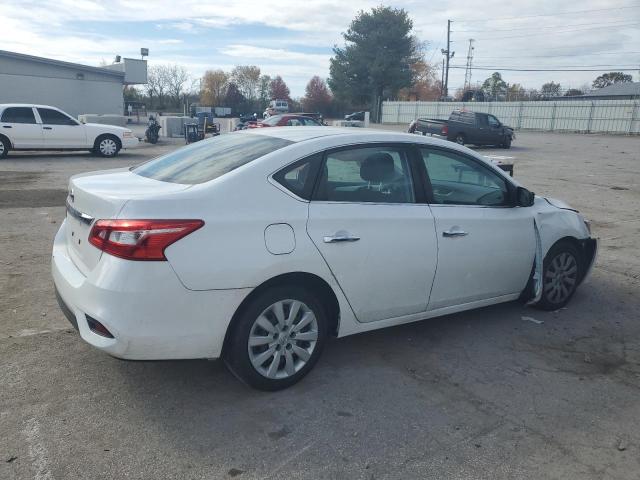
209, 159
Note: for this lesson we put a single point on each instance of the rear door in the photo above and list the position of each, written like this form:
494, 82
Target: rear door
486, 247
61, 131
19, 124
378, 241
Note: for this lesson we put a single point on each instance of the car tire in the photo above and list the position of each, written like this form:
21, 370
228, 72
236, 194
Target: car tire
267, 353
561, 273
507, 143
460, 139
4, 147
107, 146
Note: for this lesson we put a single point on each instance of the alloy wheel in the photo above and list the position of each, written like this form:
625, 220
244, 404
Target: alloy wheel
282, 339
561, 277
108, 147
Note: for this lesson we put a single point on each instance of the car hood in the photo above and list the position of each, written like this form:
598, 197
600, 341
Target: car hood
107, 128
560, 204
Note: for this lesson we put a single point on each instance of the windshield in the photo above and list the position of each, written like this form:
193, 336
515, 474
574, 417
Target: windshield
208, 159
272, 121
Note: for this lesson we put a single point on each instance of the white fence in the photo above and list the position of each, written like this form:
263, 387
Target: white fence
602, 116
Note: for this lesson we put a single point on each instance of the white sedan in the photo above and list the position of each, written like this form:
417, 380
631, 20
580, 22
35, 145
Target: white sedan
256, 246
41, 127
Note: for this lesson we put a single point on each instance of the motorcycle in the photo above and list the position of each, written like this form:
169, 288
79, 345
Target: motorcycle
153, 127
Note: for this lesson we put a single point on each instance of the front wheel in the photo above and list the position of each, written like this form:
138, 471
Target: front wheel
506, 143
562, 270
107, 146
277, 338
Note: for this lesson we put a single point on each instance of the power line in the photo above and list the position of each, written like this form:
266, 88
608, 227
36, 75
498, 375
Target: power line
607, 65
550, 14
545, 69
604, 24
565, 55
556, 32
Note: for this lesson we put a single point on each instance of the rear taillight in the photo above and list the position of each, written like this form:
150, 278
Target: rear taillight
445, 130
140, 239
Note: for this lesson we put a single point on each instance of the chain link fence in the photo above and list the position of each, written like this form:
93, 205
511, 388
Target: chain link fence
588, 116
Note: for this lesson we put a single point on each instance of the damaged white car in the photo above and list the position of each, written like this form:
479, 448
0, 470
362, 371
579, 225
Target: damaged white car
257, 246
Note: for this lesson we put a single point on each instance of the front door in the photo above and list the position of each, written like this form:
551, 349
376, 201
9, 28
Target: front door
19, 125
60, 130
378, 242
486, 247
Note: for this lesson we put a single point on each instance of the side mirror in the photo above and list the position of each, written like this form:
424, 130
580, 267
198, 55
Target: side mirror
524, 198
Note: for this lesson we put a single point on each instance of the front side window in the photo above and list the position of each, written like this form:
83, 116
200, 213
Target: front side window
493, 121
294, 122
208, 159
18, 115
459, 180
54, 117
379, 174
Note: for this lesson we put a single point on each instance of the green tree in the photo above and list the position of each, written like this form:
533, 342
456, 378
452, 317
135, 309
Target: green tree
573, 92
376, 59
494, 86
550, 89
263, 91
610, 78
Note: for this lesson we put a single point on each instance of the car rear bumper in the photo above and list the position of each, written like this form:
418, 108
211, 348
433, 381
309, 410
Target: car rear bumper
130, 142
150, 314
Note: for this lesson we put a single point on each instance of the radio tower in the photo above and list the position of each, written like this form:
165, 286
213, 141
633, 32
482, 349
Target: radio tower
467, 73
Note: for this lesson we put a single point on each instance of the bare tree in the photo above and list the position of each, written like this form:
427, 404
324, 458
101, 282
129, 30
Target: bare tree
176, 77
247, 79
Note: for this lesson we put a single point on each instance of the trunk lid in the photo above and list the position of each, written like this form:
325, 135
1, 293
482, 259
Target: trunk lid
101, 195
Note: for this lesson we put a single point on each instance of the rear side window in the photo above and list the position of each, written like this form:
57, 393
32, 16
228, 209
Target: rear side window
300, 177
54, 117
18, 115
209, 159
377, 174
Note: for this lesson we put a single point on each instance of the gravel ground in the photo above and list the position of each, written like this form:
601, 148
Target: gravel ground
480, 394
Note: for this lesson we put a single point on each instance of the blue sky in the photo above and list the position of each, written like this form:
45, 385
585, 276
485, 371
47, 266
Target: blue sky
294, 39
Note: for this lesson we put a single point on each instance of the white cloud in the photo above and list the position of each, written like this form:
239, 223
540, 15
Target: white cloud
63, 29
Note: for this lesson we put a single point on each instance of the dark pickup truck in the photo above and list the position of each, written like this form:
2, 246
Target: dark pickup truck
467, 127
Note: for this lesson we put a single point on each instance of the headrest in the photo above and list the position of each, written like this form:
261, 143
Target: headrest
377, 168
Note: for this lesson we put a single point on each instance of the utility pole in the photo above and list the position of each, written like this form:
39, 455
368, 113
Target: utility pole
448, 56
442, 81
467, 73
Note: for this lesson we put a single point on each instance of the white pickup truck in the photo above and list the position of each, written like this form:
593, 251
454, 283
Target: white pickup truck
41, 127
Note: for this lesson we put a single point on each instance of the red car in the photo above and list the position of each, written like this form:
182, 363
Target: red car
286, 121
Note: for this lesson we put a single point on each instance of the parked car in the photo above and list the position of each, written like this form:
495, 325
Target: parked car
286, 121
355, 116
317, 116
41, 127
465, 127
257, 246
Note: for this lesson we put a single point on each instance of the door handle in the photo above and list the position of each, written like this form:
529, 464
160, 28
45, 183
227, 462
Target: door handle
46, 128
454, 233
7, 126
340, 238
